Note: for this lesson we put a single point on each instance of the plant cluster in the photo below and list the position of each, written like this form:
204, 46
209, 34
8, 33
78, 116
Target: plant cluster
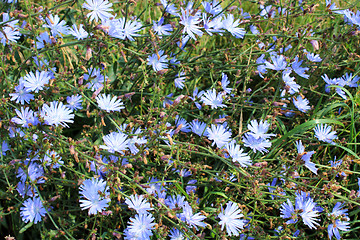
179, 120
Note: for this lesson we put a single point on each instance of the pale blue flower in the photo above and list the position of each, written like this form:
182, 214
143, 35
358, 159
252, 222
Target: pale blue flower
256, 144
26, 190
21, 94
115, 142
33, 210
25, 117
296, 66
193, 220
232, 26
35, 82
291, 86
279, 63
74, 102
313, 57
95, 195
140, 226
177, 201
230, 218
9, 34
301, 103
224, 83
267, 11
213, 7
95, 77
78, 33
57, 114
33, 170
219, 134
198, 127
212, 25
305, 207
169, 8
258, 130
56, 26
175, 234
108, 103
191, 187
4, 148
180, 80
351, 80
323, 133
184, 125
99, 9
254, 30
138, 203
190, 23
161, 29
158, 61
237, 154
212, 99
43, 39
287, 211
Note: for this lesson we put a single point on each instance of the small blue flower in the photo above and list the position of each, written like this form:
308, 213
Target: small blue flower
21, 94
256, 144
95, 77
25, 117
161, 29
4, 148
258, 130
213, 7
32, 210
224, 83
140, 226
158, 61
340, 221
305, 207
323, 133
190, 23
108, 104
279, 63
237, 154
99, 9
313, 57
169, 8
43, 40
57, 114
115, 142
193, 220
78, 33
34, 171
35, 82
74, 102
232, 27
212, 99
296, 66
56, 26
301, 103
138, 203
198, 127
180, 80
9, 34
219, 134
230, 218
177, 201
95, 195
175, 234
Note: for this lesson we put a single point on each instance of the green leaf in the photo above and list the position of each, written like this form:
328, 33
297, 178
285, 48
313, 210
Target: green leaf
26, 227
